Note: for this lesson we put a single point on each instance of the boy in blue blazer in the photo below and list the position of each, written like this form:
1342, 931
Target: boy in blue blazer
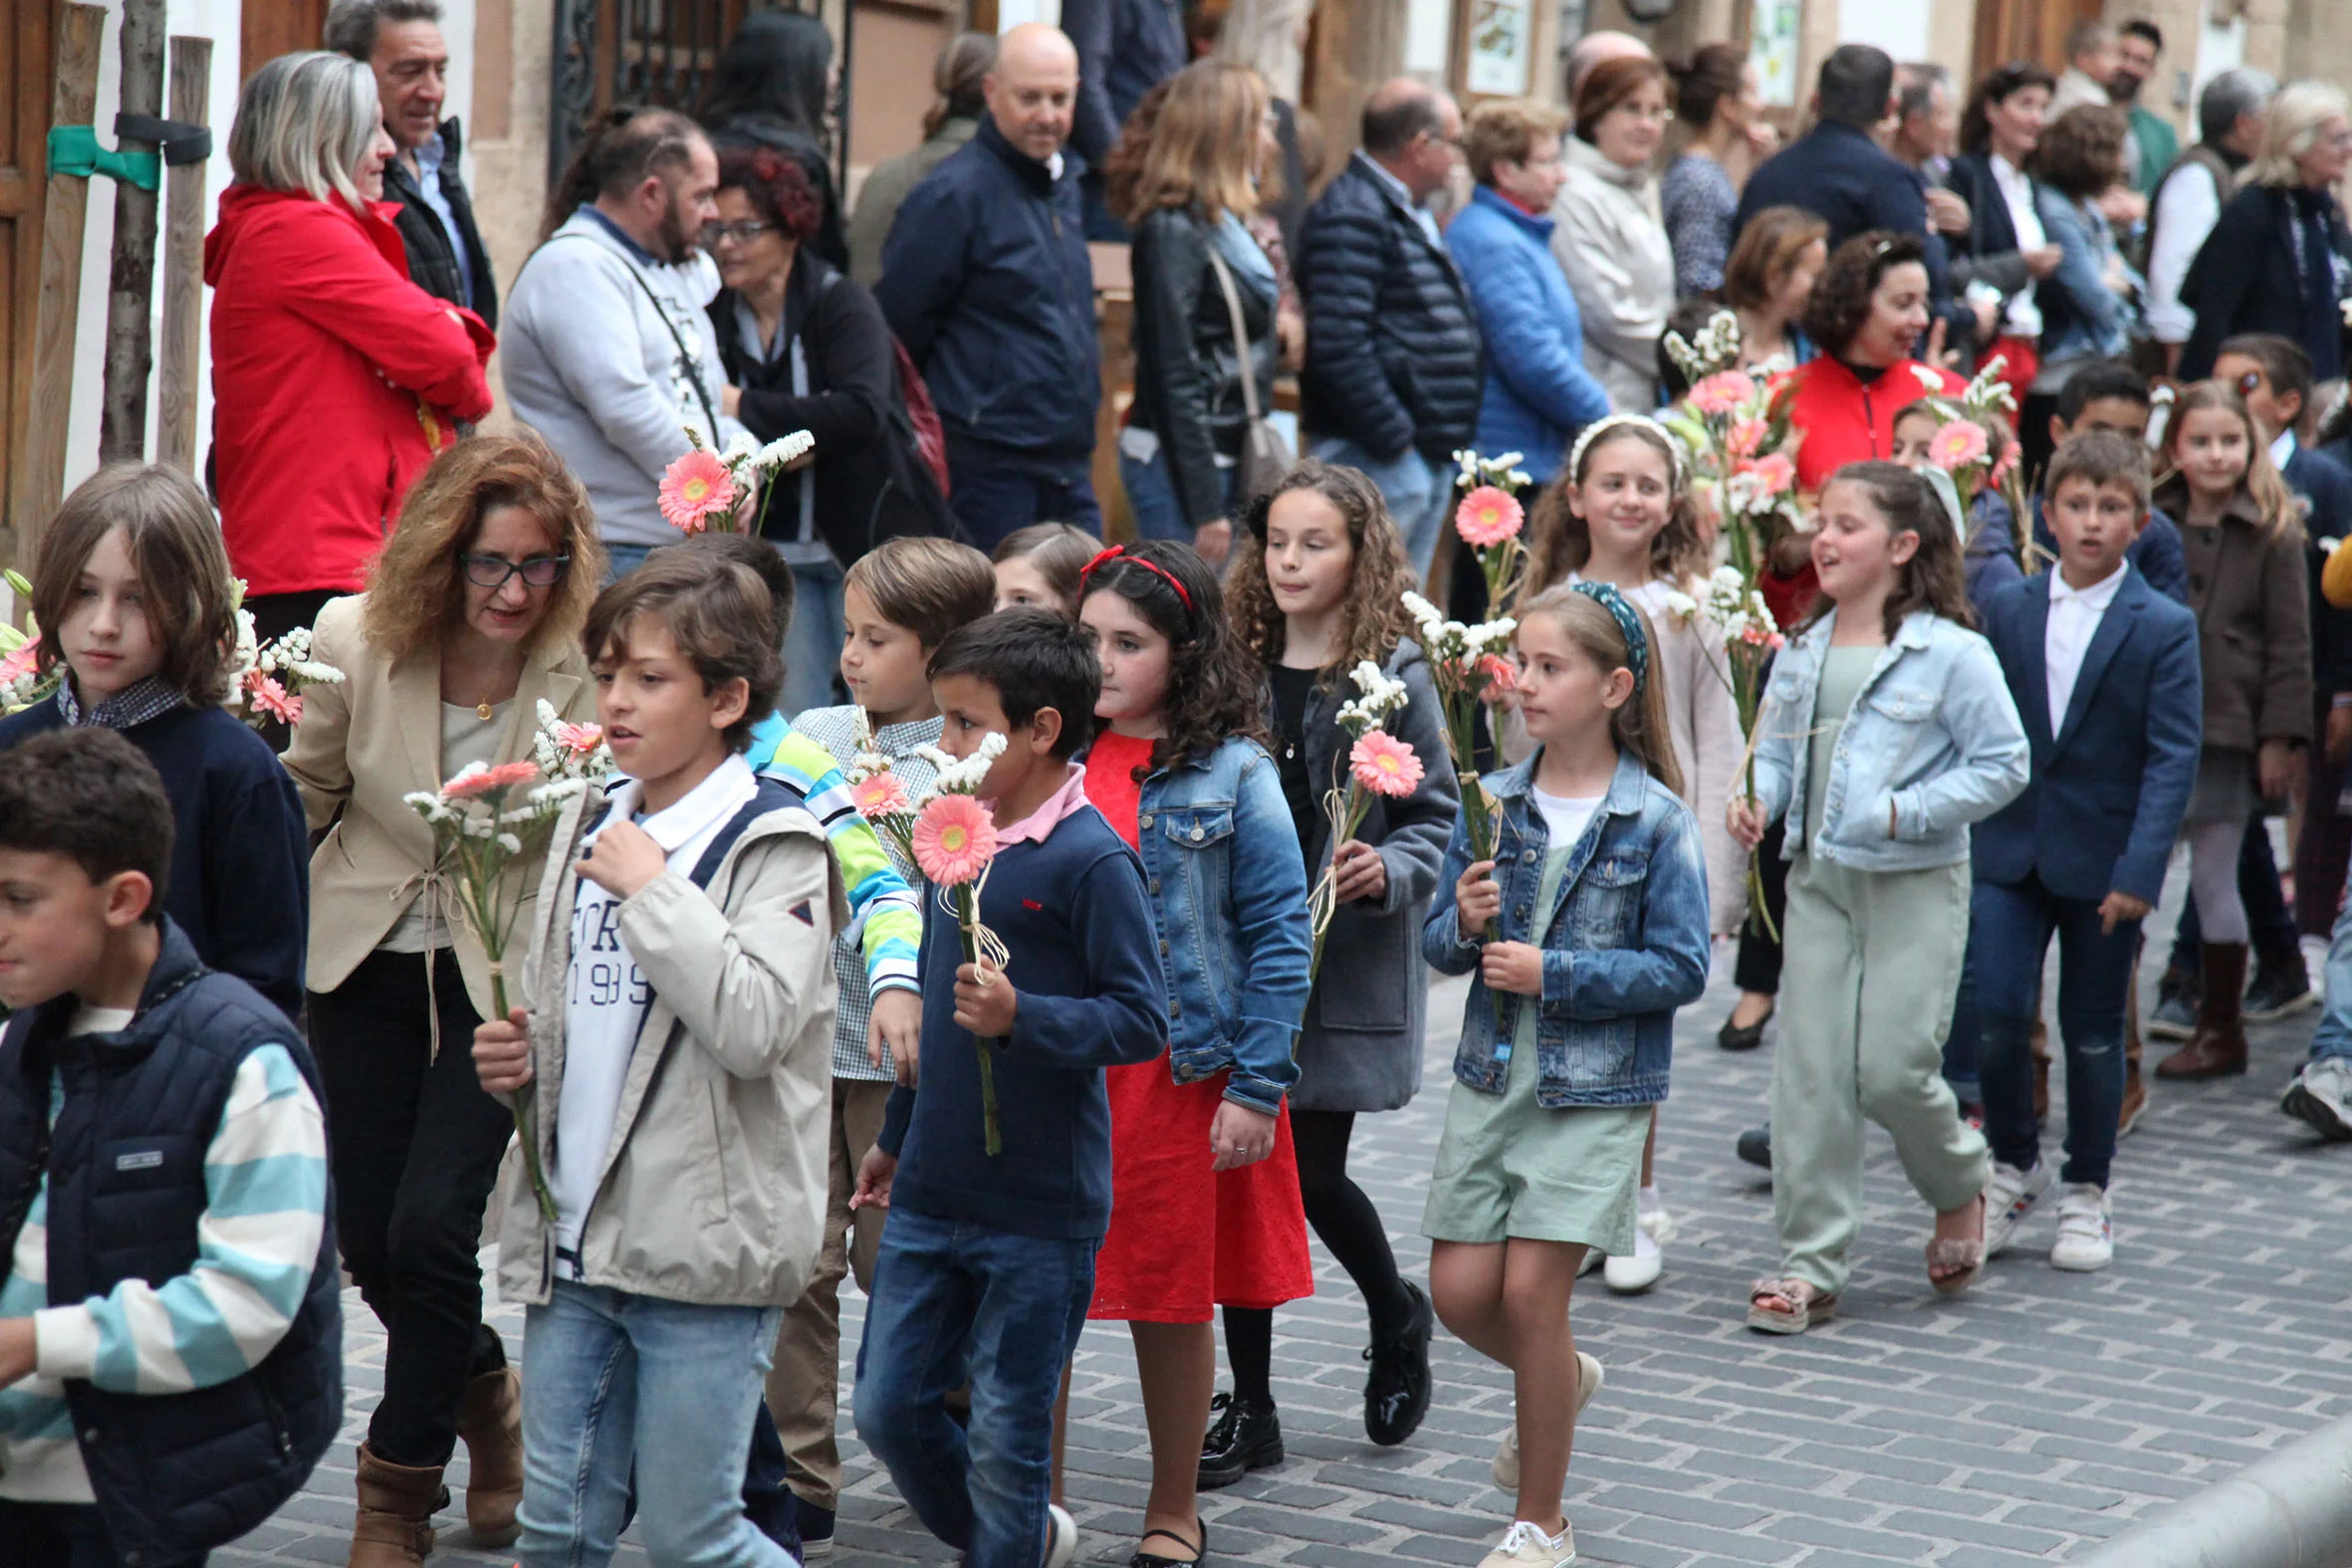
2104, 673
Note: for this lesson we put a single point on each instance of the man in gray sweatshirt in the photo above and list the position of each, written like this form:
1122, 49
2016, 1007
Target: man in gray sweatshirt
606, 352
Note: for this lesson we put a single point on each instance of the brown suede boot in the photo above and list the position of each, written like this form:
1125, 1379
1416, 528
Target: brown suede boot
491, 1422
396, 1507
2218, 1048
2135, 1092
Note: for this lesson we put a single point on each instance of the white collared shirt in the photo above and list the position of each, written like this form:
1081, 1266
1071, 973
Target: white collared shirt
1396, 187
2023, 317
2282, 450
2074, 620
604, 1004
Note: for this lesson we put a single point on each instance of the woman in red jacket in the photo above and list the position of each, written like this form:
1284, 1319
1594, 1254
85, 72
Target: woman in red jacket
334, 380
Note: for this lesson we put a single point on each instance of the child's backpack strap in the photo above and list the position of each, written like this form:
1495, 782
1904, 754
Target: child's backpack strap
772, 795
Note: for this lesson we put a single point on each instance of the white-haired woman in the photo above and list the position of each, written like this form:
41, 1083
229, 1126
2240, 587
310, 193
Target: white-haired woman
2280, 258
334, 380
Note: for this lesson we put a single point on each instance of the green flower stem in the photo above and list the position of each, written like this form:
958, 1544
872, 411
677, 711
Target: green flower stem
522, 1100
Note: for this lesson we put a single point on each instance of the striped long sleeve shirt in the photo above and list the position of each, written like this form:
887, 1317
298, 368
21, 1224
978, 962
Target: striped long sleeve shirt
257, 1242
886, 918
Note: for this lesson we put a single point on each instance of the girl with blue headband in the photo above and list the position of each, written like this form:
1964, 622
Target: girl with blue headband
1596, 904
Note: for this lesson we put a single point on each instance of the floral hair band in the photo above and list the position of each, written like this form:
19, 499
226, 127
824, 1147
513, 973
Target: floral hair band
1120, 552
1601, 426
1628, 619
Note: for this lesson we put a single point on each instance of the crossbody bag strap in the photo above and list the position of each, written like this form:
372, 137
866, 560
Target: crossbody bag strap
1240, 334
686, 357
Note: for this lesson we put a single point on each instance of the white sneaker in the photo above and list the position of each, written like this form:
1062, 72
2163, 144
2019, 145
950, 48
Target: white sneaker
1061, 1536
2321, 1094
1525, 1544
2086, 1234
2010, 1197
1653, 1227
1590, 1378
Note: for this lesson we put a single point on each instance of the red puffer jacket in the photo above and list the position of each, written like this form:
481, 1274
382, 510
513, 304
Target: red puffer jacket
1844, 420
334, 380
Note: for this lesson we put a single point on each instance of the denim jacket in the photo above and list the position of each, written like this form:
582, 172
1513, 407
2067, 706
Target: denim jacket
1228, 886
1933, 732
1625, 943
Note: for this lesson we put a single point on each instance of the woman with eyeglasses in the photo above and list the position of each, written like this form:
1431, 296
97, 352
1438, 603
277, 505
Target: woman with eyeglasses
471, 619
805, 347
2280, 258
1607, 230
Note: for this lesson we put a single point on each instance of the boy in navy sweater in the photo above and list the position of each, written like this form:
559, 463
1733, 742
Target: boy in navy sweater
988, 1264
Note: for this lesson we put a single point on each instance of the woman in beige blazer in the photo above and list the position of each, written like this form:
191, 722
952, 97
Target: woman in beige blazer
471, 618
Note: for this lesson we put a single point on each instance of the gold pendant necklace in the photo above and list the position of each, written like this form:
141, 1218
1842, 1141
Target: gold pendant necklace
482, 709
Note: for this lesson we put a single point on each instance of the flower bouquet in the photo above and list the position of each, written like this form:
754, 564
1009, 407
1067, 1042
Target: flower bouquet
1377, 764
1729, 603
1463, 663
954, 842
569, 750
1491, 518
705, 489
21, 682
266, 679
484, 821
1734, 427
1961, 447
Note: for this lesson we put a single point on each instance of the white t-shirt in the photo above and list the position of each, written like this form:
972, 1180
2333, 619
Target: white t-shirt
605, 1006
1565, 817
2023, 317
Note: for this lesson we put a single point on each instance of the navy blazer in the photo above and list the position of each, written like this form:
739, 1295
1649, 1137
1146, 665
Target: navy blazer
2322, 488
2111, 780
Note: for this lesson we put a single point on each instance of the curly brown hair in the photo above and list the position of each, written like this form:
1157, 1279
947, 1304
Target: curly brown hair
776, 187
416, 588
173, 543
1372, 616
1840, 301
1213, 686
1562, 543
2080, 154
1933, 579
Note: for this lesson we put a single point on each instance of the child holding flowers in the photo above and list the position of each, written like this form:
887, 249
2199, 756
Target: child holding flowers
1209, 1209
988, 1261
1317, 585
1597, 893
133, 592
680, 1019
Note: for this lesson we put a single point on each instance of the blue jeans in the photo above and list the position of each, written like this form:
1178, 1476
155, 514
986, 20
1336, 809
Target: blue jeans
993, 496
1417, 492
2333, 1037
622, 560
1151, 496
955, 1302
813, 646
618, 1380
2267, 914
2010, 929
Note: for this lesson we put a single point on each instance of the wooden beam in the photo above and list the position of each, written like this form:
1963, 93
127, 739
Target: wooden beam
131, 290
40, 478
177, 386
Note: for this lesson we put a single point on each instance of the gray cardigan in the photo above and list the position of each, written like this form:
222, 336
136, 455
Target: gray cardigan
1359, 1048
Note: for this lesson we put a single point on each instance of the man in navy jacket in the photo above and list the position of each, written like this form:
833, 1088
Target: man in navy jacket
986, 281
2104, 672
1838, 172
1125, 48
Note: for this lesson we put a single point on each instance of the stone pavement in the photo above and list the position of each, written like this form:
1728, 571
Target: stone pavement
2040, 1413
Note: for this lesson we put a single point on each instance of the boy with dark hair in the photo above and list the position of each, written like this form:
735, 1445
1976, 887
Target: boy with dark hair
682, 984
2105, 674
170, 1342
2108, 395
986, 1265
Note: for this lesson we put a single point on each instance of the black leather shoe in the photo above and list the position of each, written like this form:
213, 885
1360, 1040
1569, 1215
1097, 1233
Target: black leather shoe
1733, 1036
1247, 1437
1756, 1146
1396, 1394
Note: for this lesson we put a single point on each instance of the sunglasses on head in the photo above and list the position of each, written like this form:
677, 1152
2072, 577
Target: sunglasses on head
2249, 384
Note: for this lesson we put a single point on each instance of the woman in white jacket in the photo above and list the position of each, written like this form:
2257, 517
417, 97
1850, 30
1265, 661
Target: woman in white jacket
1609, 237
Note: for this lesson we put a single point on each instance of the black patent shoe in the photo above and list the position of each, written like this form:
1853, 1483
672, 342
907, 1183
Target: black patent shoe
1396, 1394
1247, 1437
1734, 1037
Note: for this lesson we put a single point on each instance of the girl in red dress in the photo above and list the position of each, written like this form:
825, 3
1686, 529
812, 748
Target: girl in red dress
1204, 1183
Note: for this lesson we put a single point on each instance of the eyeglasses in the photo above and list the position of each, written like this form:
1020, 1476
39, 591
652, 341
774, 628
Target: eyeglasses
537, 572
713, 233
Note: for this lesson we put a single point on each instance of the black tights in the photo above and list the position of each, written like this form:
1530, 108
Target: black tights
1348, 1225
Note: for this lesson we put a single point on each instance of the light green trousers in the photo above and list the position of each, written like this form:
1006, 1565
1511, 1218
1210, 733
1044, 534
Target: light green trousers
1873, 965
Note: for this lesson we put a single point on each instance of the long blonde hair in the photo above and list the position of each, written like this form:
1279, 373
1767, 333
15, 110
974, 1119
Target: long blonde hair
2262, 481
1639, 723
1198, 147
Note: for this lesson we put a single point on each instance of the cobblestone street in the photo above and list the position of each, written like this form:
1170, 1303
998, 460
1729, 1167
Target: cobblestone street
2040, 1413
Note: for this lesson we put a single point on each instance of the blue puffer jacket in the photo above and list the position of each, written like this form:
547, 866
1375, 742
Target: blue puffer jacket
1624, 941
986, 281
1537, 392
1392, 347
1228, 888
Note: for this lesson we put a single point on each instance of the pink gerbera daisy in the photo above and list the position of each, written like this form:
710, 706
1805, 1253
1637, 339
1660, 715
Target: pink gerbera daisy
265, 695
693, 489
1488, 517
1722, 393
1774, 473
1747, 437
955, 838
465, 786
579, 740
1957, 445
1501, 674
881, 796
1385, 764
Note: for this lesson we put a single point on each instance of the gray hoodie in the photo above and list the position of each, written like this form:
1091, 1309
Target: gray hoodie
591, 353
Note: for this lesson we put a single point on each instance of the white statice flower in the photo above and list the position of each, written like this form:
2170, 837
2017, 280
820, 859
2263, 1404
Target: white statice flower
1488, 635
787, 449
742, 447
1467, 461
1381, 697
1423, 612
965, 777
1681, 604
429, 806
1929, 379
510, 843
1522, 478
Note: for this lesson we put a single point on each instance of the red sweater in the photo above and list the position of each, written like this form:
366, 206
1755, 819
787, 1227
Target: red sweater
334, 380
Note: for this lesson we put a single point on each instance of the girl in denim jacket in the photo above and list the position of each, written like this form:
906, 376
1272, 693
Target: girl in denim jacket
1597, 896
1886, 731
1205, 1208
